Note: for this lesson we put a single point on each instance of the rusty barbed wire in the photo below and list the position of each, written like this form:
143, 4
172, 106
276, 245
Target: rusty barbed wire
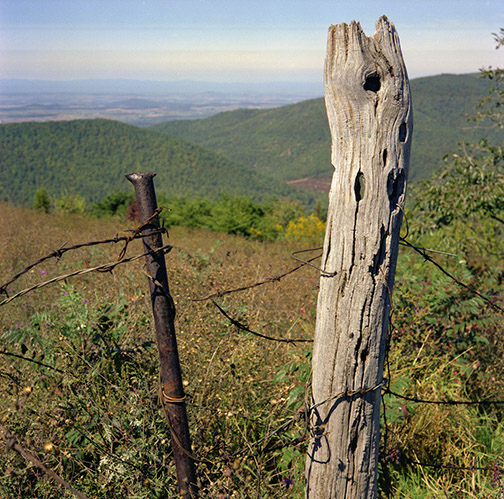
275, 278
11, 442
242, 327
450, 466
422, 252
444, 402
323, 273
347, 393
350, 393
57, 254
33, 361
108, 266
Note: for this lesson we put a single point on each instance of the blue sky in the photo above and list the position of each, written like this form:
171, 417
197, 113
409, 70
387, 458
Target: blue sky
234, 40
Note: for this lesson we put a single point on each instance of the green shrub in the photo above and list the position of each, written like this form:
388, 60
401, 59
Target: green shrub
41, 200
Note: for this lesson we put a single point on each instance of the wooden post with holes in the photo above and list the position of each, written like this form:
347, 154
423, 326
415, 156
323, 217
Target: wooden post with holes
369, 109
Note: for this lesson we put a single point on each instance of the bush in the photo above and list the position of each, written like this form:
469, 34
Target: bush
114, 204
41, 200
69, 203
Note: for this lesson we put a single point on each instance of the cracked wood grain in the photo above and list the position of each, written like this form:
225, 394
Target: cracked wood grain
369, 110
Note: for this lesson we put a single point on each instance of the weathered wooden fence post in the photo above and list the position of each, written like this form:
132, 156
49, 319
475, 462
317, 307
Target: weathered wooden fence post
369, 109
172, 391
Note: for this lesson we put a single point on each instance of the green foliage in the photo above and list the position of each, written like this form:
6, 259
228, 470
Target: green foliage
293, 142
444, 346
41, 200
238, 215
95, 418
446, 338
310, 227
251, 148
87, 343
490, 108
82, 389
89, 158
469, 189
470, 185
116, 203
69, 203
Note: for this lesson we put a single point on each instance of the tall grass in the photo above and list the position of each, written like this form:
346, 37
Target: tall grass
93, 415
99, 422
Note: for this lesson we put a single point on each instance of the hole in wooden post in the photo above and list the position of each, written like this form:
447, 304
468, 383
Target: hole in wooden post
384, 156
359, 187
403, 132
364, 354
395, 187
372, 83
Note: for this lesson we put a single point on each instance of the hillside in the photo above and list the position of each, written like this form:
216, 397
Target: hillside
246, 152
90, 158
293, 142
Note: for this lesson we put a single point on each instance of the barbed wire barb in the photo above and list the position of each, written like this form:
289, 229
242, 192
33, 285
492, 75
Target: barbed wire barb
100, 268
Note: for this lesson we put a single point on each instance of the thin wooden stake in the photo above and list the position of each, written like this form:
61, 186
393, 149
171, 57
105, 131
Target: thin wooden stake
171, 391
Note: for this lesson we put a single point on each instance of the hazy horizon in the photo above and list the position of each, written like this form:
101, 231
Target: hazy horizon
9, 86
219, 41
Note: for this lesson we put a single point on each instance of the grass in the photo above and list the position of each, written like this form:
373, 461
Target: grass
93, 415
100, 416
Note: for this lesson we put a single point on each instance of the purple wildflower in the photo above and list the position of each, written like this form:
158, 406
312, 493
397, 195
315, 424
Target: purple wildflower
288, 482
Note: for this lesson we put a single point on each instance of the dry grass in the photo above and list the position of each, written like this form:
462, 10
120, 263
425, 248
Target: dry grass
100, 416
234, 401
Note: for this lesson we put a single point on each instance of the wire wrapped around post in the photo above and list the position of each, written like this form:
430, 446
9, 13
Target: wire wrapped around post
172, 391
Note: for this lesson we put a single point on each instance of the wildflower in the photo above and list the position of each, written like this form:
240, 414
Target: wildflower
85, 301
288, 483
48, 447
43, 272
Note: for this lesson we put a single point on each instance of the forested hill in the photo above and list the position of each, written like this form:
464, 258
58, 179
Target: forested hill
90, 158
293, 142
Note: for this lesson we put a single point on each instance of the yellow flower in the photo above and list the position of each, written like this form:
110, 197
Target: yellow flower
310, 227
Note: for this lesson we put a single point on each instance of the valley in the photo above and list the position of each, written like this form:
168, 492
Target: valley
255, 150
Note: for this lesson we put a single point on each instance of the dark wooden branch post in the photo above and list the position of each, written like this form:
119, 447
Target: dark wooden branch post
172, 391
369, 109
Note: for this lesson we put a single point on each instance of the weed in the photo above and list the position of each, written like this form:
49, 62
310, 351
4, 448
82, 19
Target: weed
81, 391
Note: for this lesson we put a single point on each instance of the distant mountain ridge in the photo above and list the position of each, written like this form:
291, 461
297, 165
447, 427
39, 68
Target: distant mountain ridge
90, 158
293, 142
153, 87
253, 152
